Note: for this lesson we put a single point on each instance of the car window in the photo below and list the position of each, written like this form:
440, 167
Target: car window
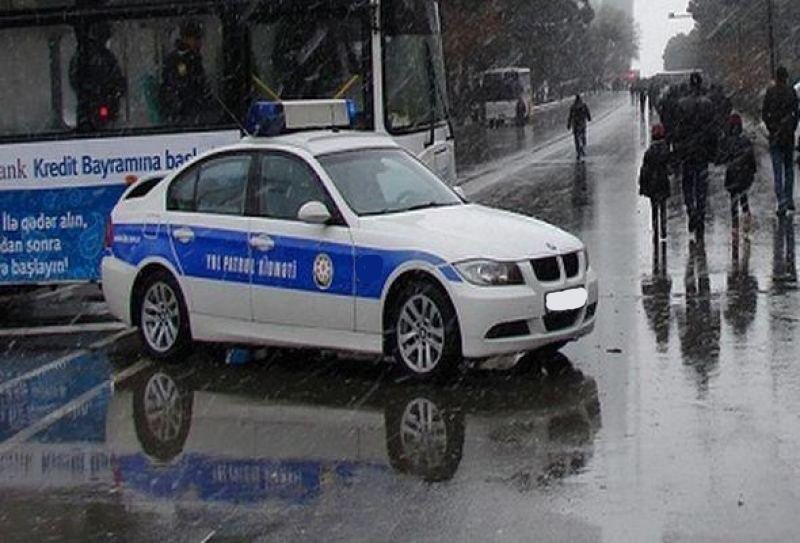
221, 185
378, 181
286, 183
180, 196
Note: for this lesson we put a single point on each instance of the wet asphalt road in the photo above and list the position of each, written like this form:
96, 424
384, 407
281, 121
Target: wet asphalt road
677, 420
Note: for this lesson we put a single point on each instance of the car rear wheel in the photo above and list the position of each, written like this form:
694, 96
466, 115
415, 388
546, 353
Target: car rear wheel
424, 330
163, 318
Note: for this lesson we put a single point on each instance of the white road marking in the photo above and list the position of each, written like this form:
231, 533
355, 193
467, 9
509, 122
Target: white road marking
63, 329
54, 416
56, 292
64, 360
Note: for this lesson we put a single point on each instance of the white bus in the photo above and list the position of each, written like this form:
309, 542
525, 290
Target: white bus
96, 95
507, 96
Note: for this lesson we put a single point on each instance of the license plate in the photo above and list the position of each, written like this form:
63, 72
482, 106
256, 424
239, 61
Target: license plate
566, 300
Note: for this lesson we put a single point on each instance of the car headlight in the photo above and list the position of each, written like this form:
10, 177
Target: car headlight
488, 273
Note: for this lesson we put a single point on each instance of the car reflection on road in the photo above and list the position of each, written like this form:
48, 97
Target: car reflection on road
247, 435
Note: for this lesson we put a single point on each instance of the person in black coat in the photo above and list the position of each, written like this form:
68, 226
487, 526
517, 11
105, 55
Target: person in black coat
97, 79
654, 181
781, 114
579, 116
185, 94
741, 166
696, 145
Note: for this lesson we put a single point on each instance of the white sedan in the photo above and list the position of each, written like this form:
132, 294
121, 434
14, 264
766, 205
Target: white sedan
338, 241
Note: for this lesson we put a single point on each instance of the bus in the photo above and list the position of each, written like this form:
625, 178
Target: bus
506, 95
97, 95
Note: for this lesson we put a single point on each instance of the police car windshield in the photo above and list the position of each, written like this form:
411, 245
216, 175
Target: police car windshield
381, 181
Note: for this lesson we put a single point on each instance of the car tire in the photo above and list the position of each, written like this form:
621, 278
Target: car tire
163, 318
424, 335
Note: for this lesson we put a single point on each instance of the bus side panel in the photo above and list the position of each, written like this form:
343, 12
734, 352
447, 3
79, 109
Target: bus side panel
55, 198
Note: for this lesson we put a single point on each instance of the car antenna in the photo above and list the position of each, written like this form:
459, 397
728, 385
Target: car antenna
231, 115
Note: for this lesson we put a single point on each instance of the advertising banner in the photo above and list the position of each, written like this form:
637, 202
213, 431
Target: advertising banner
55, 198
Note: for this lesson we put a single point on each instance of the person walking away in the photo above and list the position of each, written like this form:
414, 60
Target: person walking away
642, 100
695, 145
579, 116
654, 181
741, 165
780, 114
184, 93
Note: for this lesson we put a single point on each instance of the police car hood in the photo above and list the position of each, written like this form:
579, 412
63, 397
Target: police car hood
473, 231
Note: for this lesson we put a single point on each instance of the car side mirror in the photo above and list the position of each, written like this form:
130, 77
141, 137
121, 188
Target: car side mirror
314, 212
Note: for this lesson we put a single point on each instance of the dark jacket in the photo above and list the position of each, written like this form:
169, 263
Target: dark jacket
654, 173
780, 113
695, 131
579, 115
102, 82
184, 95
738, 154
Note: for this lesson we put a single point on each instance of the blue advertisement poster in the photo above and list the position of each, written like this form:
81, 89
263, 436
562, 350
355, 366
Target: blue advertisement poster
56, 197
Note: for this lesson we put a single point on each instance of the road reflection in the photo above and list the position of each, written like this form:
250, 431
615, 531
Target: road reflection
295, 431
289, 433
700, 323
784, 269
656, 291
742, 298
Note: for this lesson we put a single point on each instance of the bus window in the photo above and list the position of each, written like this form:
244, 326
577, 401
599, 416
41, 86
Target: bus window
415, 93
171, 70
322, 52
34, 78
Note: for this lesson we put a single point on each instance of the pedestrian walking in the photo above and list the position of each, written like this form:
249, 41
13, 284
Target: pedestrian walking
642, 100
695, 145
780, 114
579, 116
739, 156
654, 181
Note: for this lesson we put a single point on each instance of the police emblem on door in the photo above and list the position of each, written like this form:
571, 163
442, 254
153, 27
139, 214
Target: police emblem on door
323, 271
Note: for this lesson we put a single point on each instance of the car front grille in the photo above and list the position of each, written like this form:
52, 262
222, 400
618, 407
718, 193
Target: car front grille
547, 268
571, 264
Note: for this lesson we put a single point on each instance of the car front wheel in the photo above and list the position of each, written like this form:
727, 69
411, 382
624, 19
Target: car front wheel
425, 334
163, 318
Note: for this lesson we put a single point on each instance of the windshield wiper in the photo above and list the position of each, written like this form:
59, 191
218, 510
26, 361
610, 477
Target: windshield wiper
426, 205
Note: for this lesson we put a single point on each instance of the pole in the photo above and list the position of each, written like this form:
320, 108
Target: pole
771, 37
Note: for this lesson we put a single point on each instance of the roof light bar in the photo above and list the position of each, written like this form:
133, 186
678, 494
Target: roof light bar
274, 118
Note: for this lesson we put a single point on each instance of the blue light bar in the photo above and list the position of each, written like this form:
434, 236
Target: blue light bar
265, 119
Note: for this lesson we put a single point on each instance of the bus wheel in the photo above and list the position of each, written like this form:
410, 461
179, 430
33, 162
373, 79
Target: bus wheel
163, 317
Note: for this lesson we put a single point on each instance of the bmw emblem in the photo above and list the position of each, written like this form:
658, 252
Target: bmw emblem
323, 271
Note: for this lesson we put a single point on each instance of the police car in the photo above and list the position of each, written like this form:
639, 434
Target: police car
339, 240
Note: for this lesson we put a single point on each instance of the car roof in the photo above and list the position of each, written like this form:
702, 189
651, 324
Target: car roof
320, 142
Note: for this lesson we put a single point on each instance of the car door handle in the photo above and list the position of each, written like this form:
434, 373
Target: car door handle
184, 235
261, 242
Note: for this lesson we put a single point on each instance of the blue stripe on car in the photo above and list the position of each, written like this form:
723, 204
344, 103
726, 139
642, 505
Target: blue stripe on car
224, 255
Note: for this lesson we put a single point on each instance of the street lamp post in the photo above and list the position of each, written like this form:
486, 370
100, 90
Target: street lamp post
773, 61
